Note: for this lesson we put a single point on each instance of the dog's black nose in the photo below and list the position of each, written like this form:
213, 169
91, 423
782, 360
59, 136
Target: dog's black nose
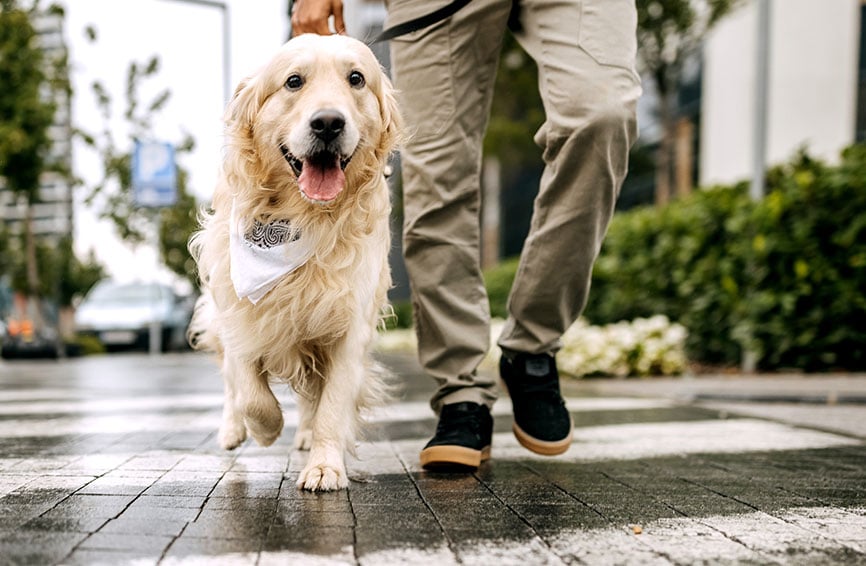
327, 124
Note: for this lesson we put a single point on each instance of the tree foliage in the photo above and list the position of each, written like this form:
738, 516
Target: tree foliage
669, 32
25, 114
112, 194
62, 276
46, 268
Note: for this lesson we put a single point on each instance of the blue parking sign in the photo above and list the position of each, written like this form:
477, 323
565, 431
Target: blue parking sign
154, 174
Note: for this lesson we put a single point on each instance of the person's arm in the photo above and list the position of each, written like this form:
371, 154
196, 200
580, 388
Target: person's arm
311, 16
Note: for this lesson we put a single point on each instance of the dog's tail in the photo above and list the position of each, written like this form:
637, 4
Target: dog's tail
200, 334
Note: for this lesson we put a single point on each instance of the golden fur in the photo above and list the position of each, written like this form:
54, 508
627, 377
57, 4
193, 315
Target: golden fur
314, 328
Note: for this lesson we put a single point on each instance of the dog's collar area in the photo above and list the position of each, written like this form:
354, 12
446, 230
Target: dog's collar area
263, 253
272, 234
322, 157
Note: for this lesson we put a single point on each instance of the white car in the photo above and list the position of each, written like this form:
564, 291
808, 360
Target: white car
120, 315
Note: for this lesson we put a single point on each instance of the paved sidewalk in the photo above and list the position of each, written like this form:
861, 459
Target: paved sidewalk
113, 460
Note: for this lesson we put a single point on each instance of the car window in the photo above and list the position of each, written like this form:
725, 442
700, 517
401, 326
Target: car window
115, 294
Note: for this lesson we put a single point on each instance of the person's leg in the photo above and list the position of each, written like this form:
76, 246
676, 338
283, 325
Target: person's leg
590, 91
585, 51
444, 76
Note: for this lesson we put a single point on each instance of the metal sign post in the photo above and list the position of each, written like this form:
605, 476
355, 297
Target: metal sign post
154, 184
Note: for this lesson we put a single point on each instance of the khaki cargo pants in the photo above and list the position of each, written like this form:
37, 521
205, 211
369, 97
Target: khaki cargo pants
585, 52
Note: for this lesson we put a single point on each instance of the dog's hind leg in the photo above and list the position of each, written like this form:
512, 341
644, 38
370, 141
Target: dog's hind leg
253, 401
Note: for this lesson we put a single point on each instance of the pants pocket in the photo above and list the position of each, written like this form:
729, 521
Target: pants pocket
608, 32
421, 67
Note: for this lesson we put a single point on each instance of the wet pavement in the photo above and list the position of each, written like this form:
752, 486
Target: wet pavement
113, 460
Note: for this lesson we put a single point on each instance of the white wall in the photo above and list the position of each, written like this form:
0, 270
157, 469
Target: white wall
812, 91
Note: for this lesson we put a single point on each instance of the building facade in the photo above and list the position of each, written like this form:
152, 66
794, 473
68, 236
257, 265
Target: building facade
52, 215
815, 97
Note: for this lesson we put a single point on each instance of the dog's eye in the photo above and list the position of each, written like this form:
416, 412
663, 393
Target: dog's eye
294, 82
356, 79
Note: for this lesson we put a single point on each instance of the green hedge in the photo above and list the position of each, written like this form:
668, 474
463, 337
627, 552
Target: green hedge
784, 277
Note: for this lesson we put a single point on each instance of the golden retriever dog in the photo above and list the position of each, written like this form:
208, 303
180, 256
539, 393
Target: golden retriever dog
293, 256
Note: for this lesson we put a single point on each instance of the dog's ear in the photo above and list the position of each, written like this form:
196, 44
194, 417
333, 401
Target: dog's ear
392, 121
245, 103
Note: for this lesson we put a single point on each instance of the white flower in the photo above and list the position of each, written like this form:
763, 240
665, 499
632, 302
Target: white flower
643, 346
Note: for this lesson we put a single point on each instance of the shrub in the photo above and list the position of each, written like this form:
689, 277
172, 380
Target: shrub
498, 281
804, 305
674, 261
402, 315
783, 277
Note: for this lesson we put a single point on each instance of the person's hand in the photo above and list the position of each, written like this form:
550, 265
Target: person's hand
311, 16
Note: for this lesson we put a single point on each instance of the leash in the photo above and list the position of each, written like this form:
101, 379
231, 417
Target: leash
421, 22
434, 17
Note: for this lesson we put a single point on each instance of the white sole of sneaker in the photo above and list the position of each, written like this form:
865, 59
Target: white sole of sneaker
440, 457
543, 447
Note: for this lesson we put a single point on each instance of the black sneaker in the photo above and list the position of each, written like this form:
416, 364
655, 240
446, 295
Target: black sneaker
462, 438
542, 424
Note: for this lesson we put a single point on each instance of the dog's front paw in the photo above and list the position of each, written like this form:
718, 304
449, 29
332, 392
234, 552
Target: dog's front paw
323, 477
303, 439
232, 435
325, 470
264, 421
232, 430
265, 432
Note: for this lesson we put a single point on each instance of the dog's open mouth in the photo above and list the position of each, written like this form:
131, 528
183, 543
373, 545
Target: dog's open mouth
320, 175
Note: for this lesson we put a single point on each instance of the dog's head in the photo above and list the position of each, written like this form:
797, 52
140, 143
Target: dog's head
322, 110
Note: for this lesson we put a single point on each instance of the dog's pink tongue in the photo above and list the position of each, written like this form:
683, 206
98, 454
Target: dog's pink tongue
322, 183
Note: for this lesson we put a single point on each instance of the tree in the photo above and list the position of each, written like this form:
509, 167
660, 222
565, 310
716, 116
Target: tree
669, 32
25, 116
47, 269
112, 194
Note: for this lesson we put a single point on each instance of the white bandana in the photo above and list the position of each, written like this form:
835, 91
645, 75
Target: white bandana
263, 255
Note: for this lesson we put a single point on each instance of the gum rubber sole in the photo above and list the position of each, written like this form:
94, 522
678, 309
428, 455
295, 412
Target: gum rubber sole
543, 447
453, 457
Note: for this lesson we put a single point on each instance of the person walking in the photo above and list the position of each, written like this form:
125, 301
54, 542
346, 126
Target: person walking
444, 56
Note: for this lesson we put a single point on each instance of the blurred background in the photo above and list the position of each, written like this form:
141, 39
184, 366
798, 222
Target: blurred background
741, 225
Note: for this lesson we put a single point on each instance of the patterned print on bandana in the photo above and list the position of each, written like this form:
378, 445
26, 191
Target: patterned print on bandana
269, 235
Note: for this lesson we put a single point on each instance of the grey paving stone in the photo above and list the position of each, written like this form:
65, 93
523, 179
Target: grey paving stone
313, 540
48, 522
217, 524
370, 539
93, 505
37, 547
93, 557
156, 523
92, 497
187, 550
114, 485
242, 504
13, 515
248, 484
150, 543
